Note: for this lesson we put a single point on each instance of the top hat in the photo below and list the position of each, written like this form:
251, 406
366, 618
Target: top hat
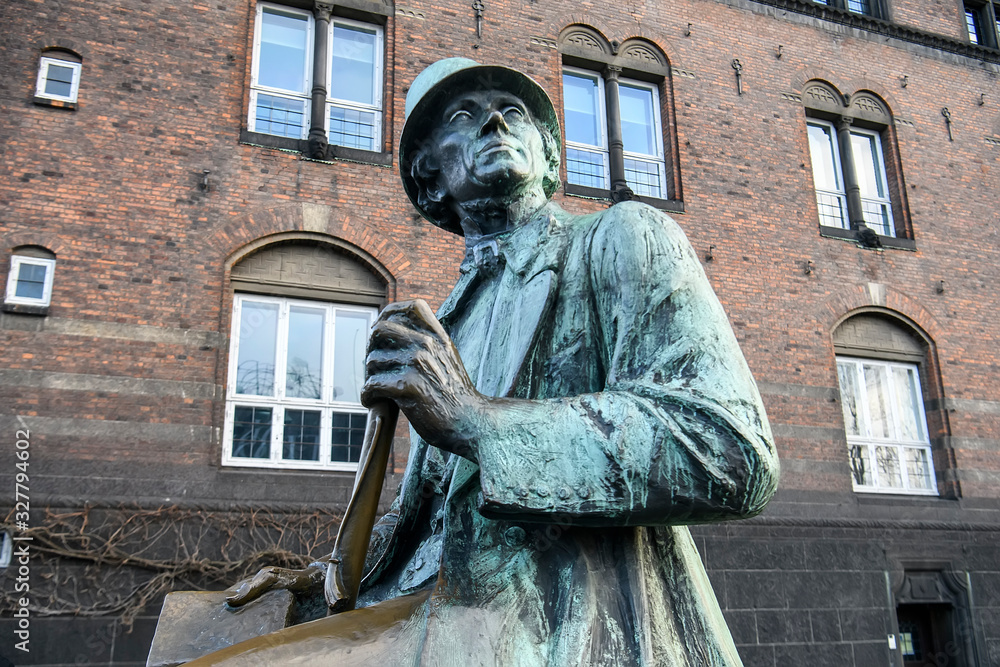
437, 85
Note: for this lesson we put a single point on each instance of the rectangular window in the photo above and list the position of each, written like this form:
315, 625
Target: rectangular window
586, 137
869, 169
982, 24
282, 72
295, 378
587, 158
354, 103
58, 79
30, 280
886, 430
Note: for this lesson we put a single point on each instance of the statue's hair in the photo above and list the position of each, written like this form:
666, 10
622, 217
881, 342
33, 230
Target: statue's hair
424, 170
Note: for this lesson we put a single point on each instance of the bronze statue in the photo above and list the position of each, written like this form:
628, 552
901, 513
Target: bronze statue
577, 400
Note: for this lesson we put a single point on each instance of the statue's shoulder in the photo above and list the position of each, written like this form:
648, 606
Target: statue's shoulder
627, 224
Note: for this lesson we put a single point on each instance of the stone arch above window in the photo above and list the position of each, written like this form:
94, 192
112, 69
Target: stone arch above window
879, 336
309, 269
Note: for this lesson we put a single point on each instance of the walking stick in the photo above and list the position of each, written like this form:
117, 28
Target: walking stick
346, 567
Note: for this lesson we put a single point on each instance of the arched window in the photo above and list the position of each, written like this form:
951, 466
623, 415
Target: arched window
301, 317
857, 179
880, 364
614, 99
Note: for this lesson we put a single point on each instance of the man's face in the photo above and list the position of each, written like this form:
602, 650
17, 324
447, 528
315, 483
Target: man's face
488, 145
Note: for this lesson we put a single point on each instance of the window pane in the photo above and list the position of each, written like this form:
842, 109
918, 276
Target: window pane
30, 281
304, 371
638, 121
906, 407
868, 165
585, 168
822, 147
876, 388
877, 216
252, 433
283, 41
644, 177
280, 116
583, 124
352, 73
848, 377
258, 337
348, 436
352, 128
887, 459
859, 6
300, 441
861, 465
349, 345
59, 80
918, 469
971, 22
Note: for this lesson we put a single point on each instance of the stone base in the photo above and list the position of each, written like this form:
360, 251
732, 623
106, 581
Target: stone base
193, 624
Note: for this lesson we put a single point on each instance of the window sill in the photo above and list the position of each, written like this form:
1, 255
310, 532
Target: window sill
334, 153
669, 205
849, 235
24, 309
57, 104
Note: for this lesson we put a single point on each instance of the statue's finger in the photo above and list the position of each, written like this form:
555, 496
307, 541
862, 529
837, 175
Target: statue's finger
248, 591
397, 335
418, 315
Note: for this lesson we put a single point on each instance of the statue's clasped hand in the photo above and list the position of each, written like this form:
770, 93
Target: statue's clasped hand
308, 580
413, 362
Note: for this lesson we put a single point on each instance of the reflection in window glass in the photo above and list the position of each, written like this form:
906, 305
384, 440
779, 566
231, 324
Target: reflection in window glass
867, 168
300, 439
638, 126
582, 106
822, 148
885, 426
349, 354
258, 344
283, 41
252, 432
59, 81
352, 74
31, 280
348, 436
304, 367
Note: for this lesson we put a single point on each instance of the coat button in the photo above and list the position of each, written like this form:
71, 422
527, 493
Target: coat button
522, 491
541, 491
514, 536
583, 492
563, 493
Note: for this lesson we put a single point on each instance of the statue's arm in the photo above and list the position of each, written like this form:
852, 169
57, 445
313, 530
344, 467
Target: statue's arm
677, 435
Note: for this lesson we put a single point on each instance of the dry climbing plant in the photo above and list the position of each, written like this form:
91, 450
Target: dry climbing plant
122, 561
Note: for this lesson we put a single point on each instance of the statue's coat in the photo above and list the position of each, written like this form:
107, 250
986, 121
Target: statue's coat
566, 544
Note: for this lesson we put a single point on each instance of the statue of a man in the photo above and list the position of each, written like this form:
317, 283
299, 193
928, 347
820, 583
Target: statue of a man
576, 401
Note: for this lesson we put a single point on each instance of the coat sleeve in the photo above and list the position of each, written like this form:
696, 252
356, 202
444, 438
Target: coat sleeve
677, 435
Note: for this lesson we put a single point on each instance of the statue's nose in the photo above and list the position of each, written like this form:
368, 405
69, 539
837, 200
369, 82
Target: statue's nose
494, 122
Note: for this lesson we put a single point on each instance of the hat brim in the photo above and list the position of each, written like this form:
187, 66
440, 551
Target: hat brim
425, 118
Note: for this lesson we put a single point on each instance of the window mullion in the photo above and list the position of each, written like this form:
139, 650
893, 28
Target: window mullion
620, 191
852, 188
318, 143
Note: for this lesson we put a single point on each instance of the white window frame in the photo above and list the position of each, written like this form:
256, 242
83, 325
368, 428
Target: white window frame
304, 95
839, 194
278, 403
378, 84
839, 167
12, 279
602, 117
894, 442
656, 159
43, 76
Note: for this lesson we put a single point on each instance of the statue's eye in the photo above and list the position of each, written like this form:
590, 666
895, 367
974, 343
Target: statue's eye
512, 112
460, 115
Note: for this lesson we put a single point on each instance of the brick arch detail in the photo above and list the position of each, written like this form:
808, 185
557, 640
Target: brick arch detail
852, 299
45, 240
311, 219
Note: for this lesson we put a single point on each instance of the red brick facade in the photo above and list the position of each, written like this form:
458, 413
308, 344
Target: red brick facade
123, 380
